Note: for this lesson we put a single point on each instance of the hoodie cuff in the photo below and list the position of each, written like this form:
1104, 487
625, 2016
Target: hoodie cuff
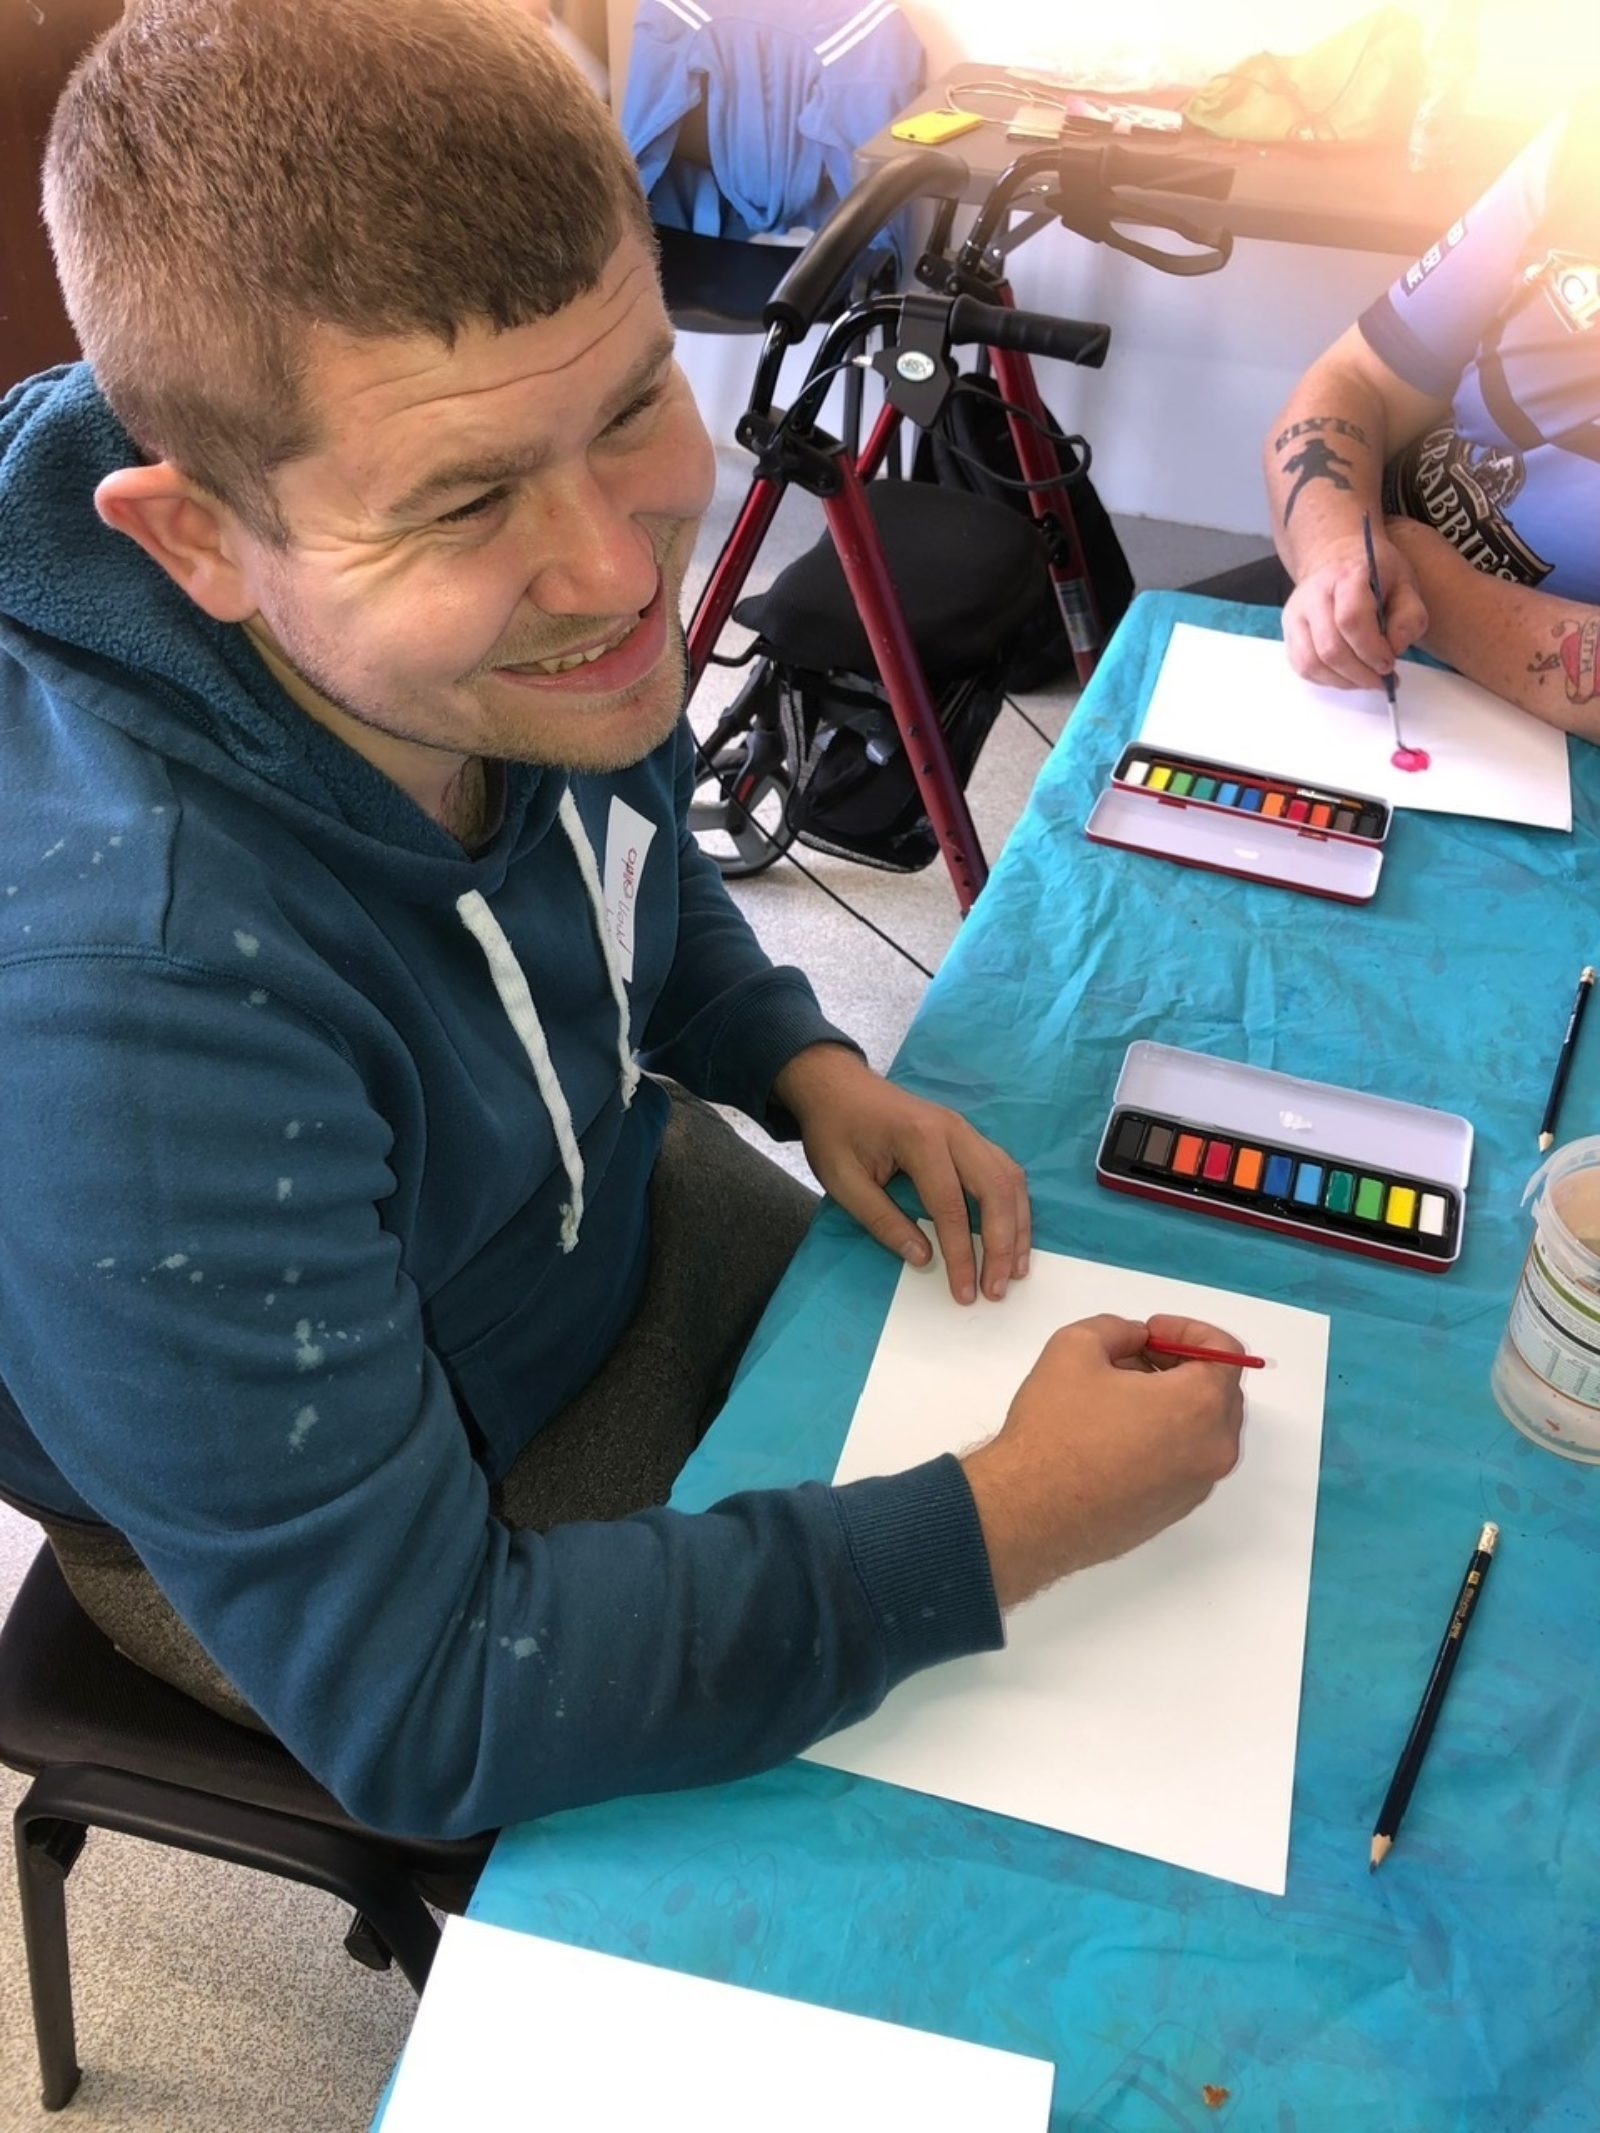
918, 1550
782, 1021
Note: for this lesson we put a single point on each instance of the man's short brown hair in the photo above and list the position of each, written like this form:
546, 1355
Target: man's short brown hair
224, 175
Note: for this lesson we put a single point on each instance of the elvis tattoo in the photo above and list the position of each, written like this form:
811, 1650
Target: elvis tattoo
1315, 461
1312, 423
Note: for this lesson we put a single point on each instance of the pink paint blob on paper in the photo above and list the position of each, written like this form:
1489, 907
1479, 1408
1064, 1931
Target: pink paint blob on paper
1411, 759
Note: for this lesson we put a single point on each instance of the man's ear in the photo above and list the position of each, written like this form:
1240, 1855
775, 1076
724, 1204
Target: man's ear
191, 535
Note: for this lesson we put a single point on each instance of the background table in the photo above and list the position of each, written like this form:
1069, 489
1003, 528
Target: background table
1361, 195
1460, 1987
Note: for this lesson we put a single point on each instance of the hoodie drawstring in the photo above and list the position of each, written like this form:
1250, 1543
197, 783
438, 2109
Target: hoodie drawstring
583, 852
517, 1000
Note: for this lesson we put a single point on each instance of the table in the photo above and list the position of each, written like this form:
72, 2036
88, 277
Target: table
1460, 1987
1358, 196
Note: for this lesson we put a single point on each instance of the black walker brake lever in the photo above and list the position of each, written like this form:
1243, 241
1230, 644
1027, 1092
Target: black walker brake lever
916, 370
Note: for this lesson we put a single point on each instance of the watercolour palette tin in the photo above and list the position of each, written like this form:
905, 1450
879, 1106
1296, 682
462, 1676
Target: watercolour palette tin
1234, 821
1335, 1166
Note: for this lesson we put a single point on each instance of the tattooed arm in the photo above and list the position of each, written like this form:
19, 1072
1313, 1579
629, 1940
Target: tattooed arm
1324, 457
1536, 650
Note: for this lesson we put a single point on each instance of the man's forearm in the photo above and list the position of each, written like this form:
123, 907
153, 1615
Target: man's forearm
1324, 463
1535, 650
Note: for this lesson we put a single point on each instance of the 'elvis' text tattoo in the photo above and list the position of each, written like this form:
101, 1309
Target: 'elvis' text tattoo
1315, 461
1577, 644
1336, 423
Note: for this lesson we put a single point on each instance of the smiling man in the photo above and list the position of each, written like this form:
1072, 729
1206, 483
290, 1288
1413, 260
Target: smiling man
360, 1296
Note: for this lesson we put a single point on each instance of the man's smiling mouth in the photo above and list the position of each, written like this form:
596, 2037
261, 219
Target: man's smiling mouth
566, 661
628, 652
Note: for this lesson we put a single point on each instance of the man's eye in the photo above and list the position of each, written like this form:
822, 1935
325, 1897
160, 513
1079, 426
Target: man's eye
641, 406
476, 509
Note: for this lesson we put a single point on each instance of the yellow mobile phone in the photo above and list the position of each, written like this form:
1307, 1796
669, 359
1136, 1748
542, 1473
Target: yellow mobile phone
929, 128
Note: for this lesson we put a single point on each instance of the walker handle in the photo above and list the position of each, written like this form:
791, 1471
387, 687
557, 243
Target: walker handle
1069, 340
799, 299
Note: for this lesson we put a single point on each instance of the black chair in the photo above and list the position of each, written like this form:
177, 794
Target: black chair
722, 284
718, 284
108, 1746
715, 284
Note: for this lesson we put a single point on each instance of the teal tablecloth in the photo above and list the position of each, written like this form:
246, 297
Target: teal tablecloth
1460, 1987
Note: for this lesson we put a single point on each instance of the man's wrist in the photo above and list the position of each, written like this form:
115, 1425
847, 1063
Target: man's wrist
1022, 1559
1333, 544
1432, 561
810, 1075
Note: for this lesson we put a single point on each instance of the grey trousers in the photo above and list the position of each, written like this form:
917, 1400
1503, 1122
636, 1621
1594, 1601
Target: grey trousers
725, 1222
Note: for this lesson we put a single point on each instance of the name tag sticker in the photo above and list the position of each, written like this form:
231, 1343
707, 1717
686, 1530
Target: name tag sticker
628, 837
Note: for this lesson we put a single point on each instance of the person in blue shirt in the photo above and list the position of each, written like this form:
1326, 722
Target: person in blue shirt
1462, 410
368, 1264
786, 92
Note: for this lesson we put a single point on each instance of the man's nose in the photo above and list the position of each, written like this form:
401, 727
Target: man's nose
595, 556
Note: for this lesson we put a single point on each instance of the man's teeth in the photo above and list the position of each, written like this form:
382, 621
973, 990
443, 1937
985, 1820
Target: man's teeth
565, 664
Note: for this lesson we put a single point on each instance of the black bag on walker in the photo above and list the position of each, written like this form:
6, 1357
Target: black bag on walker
970, 448
968, 573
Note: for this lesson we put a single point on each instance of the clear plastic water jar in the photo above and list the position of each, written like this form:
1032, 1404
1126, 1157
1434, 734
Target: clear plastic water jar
1546, 1376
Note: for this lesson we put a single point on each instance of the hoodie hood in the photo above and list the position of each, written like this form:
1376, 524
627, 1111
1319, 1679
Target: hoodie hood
97, 620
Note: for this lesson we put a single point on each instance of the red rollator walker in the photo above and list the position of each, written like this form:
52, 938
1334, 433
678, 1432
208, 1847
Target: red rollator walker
880, 656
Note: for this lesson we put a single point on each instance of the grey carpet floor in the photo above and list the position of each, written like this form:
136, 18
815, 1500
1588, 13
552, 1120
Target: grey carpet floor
212, 1999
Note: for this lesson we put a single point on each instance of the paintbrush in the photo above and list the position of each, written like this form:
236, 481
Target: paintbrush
1390, 688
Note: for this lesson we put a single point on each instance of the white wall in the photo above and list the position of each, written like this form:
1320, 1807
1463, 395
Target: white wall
1197, 368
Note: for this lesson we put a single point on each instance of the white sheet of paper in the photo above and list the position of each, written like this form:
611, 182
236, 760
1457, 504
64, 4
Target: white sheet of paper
1152, 1702
518, 2032
1238, 700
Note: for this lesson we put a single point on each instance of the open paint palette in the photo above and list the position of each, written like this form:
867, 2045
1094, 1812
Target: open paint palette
1362, 1173
1234, 821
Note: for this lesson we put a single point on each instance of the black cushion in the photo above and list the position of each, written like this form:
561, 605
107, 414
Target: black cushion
968, 571
67, 1695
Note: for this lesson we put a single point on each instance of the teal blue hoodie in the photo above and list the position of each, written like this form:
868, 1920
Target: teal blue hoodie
325, 1160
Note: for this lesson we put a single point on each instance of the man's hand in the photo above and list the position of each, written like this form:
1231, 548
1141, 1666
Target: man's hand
1100, 1451
858, 1130
1330, 620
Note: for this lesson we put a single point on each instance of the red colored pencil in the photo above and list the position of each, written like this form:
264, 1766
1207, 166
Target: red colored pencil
1186, 1354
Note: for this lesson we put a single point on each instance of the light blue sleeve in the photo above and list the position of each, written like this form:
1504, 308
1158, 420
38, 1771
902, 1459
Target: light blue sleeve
1428, 324
663, 84
866, 79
